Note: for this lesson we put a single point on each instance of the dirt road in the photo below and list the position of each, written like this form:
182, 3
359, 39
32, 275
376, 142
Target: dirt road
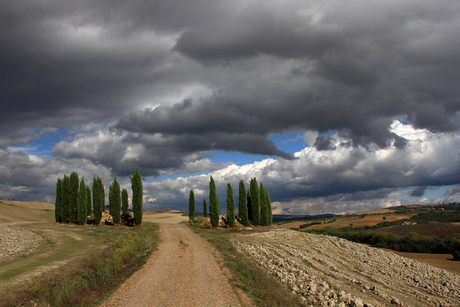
183, 272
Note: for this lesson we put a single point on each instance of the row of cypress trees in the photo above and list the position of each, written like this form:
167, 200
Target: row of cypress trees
73, 202
254, 205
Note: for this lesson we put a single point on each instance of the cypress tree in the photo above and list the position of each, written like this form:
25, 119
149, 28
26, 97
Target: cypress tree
136, 185
205, 208
191, 206
88, 200
230, 206
124, 201
263, 207
101, 195
214, 209
65, 199
269, 204
110, 201
57, 204
242, 208
249, 207
115, 201
255, 202
73, 197
82, 203
97, 209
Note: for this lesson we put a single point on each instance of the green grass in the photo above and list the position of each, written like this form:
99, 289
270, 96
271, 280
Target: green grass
263, 288
69, 246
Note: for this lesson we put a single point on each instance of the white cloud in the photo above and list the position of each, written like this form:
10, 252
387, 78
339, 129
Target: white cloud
362, 178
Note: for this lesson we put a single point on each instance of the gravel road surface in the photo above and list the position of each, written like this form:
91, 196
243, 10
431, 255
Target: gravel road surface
182, 272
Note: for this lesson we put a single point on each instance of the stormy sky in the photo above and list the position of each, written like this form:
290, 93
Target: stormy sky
336, 106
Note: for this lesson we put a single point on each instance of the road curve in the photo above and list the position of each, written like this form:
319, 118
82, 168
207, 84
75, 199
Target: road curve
182, 272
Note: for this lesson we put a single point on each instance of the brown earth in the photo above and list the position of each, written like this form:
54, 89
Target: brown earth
442, 261
183, 272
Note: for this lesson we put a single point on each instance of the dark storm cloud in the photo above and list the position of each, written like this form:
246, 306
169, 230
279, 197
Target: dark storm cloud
348, 67
371, 64
153, 155
418, 192
32, 178
324, 143
177, 79
68, 63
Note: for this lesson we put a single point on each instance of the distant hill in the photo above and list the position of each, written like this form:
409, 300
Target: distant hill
29, 204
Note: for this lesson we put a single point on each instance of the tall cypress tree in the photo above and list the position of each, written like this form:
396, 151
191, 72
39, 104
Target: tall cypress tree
57, 204
136, 185
101, 195
88, 200
97, 209
65, 199
115, 201
205, 208
73, 197
269, 204
242, 208
214, 209
82, 203
191, 206
263, 207
230, 206
255, 202
248, 199
124, 201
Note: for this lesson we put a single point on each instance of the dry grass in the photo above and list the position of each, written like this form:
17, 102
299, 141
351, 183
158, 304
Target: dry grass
29, 204
12, 213
163, 216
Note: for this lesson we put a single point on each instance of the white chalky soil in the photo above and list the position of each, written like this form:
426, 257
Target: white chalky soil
329, 271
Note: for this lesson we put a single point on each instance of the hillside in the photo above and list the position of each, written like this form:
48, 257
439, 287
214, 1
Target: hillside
329, 271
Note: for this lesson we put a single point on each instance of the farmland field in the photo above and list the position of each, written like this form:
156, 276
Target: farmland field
356, 220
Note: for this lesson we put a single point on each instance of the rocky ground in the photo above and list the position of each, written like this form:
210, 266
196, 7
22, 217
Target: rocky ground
15, 240
329, 271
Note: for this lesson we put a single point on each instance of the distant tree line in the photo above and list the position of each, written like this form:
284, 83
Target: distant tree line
254, 205
74, 202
